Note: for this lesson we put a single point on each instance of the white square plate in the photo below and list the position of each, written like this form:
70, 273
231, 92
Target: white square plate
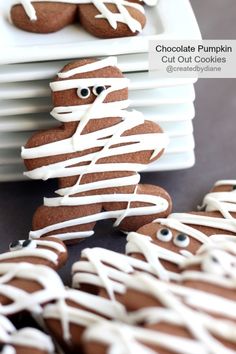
170, 19
40, 88
138, 98
14, 172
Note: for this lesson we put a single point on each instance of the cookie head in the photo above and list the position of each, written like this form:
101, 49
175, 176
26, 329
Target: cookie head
85, 81
49, 251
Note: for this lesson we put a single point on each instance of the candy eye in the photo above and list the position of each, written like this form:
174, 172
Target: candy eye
15, 246
234, 187
181, 240
164, 235
98, 89
83, 92
29, 244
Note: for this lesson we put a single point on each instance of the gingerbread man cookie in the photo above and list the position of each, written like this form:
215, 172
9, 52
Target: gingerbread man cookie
182, 311
27, 287
181, 234
50, 252
96, 154
101, 18
67, 318
27, 341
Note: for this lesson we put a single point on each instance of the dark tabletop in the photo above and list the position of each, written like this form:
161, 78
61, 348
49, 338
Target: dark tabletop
215, 135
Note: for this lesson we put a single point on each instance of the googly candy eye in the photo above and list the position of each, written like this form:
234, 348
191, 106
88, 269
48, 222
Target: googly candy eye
15, 246
181, 240
29, 244
98, 89
83, 92
164, 235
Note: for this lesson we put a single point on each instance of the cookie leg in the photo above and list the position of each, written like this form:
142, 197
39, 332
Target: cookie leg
70, 224
43, 17
108, 21
147, 203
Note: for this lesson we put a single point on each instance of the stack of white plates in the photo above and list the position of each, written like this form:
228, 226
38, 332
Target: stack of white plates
29, 61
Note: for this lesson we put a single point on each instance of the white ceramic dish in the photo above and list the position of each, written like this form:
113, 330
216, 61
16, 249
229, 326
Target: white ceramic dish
14, 140
170, 19
40, 88
38, 122
163, 114
138, 98
135, 64
14, 172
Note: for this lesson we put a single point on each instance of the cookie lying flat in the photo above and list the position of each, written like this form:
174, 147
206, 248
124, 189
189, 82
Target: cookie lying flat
67, 318
110, 337
96, 154
27, 341
27, 287
50, 252
102, 18
183, 312
184, 233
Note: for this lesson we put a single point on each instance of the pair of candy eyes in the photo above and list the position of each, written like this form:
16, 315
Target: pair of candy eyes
18, 245
85, 92
181, 240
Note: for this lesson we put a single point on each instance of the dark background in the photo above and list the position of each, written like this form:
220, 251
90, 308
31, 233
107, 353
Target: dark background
215, 134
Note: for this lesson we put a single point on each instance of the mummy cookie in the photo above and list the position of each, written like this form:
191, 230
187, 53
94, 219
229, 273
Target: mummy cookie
110, 337
27, 287
101, 18
50, 252
96, 154
184, 233
27, 341
67, 318
184, 312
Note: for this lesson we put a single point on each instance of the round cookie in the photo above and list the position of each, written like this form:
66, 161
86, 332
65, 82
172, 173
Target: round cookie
96, 154
101, 18
50, 252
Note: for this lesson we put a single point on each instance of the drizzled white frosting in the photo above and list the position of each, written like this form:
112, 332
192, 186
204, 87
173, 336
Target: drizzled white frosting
91, 309
28, 337
39, 252
52, 287
121, 16
109, 270
195, 314
107, 140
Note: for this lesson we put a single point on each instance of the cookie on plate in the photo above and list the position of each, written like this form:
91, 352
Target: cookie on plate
101, 18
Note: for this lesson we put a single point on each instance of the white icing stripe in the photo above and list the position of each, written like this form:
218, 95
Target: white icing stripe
39, 253
91, 309
100, 216
110, 61
176, 223
122, 16
33, 338
112, 142
226, 182
50, 282
219, 223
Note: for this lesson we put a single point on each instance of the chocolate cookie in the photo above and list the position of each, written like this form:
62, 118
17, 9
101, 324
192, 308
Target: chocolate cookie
27, 341
67, 318
27, 287
102, 18
50, 252
96, 154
